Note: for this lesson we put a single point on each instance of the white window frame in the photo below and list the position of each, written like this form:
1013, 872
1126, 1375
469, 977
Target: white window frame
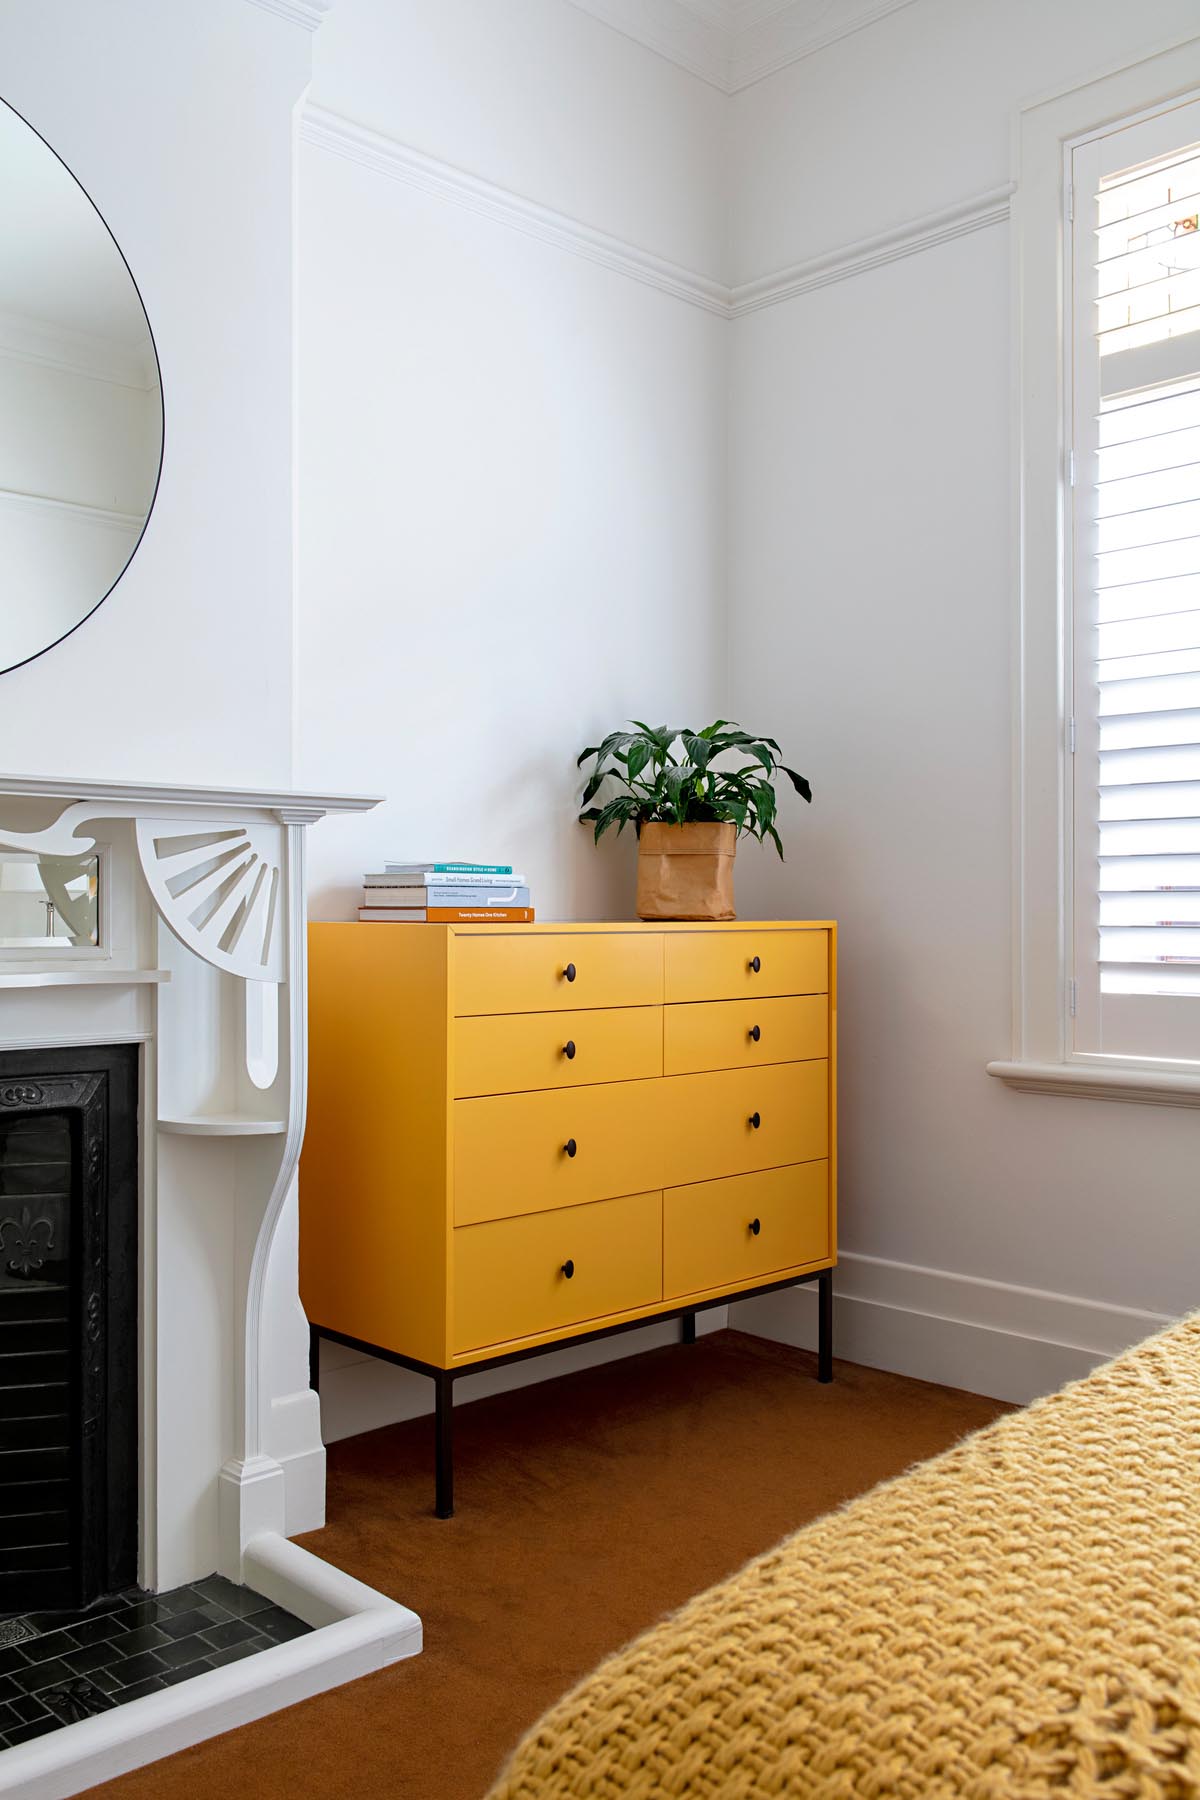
1043, 1059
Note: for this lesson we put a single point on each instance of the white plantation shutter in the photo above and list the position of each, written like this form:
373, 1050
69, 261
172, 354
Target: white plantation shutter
1135, 579
1147, 501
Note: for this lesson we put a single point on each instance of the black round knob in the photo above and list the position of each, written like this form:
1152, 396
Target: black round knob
755, 1226
568, 1268
755, 964
755, 1033
569, 1049
570, 1146
756, 1120
569, 972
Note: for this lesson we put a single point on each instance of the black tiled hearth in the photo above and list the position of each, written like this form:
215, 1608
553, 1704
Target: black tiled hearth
56, 1668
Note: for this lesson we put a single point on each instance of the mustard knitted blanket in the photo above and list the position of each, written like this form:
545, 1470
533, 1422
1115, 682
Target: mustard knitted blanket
1018, 1618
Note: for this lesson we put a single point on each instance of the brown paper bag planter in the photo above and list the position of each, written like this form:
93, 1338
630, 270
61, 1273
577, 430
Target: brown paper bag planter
686, 871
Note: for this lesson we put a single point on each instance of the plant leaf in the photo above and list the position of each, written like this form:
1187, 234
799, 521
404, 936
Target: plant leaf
637, 757
798, 782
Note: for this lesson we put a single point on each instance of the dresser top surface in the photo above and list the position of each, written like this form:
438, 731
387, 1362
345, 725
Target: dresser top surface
586, 925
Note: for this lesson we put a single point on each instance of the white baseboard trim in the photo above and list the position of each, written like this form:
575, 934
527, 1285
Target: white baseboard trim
357, 1631
989, 1337
360, 1393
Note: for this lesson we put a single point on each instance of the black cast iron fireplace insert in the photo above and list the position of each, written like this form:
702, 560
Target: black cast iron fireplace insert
68, 1325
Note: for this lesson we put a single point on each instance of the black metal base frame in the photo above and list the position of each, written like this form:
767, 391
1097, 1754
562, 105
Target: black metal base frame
444, 1379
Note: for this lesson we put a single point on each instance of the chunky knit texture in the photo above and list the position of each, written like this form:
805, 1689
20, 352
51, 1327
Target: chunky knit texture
1019, 1618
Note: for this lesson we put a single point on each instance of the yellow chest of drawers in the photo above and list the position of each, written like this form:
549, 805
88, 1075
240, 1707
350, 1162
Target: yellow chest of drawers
519, 1137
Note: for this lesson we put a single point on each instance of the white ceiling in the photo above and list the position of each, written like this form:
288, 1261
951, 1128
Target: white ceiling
733, 43
60, 267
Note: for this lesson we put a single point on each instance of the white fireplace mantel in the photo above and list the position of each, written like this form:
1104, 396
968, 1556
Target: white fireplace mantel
202, 962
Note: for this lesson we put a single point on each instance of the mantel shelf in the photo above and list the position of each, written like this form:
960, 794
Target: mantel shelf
12, 976
222, 1125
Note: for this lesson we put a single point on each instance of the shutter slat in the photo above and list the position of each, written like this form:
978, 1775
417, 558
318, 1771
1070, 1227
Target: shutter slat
1148, 599
1163, 981
1149, 635
1142, 692
1149, 731
1150, 800
1162, 763
1176, 911
1150, 874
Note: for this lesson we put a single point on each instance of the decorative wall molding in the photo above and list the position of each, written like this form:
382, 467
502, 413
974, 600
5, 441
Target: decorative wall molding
733, 43
77, 352
331, 132
83, 514
990, 1337
925, 233
308, 13
339, 136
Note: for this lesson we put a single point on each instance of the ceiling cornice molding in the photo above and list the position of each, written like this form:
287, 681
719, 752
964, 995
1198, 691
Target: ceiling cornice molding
308, 13
686, 32
386, 156
801, 28
731, 44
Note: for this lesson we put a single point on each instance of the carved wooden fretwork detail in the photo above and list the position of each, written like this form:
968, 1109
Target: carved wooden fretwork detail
219, 887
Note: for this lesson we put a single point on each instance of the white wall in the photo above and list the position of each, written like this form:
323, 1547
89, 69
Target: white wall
176, 119
511, 482
871, 549
511, 479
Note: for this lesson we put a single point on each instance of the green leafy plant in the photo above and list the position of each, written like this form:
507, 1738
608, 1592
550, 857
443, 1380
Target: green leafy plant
674, 776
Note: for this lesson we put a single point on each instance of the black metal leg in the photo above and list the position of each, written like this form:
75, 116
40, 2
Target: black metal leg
687, 1328
314, 1359
443, 1383
825, 1326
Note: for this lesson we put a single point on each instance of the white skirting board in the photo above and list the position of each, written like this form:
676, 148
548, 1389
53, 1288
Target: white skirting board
1011, 1343
357, 1631
362, 1393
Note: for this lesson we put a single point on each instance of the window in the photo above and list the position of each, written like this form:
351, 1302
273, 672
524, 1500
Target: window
1133, 564
1106, 838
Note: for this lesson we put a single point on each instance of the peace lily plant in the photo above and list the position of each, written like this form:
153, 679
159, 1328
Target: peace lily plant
689, 795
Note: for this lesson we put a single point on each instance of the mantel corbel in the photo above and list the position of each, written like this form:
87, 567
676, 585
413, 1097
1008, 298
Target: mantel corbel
214, 860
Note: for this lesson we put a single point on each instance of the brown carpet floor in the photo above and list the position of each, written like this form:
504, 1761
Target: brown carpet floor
588, 1507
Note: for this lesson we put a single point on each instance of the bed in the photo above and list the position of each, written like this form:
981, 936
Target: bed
1018, 1618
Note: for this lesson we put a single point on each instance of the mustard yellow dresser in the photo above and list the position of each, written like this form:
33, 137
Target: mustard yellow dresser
526, 1137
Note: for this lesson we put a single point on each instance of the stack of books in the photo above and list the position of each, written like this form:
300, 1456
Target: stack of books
446, 893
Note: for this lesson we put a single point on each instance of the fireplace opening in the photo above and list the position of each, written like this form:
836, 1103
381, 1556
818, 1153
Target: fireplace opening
68, 1326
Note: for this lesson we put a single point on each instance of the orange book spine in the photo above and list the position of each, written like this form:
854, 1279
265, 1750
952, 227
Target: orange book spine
480, 915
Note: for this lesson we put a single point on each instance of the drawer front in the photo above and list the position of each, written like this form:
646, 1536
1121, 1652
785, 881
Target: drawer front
707, 1127
737, 1034
511, 1151
546, 971
509, 1279
709, 1236
506, 1053
719, 965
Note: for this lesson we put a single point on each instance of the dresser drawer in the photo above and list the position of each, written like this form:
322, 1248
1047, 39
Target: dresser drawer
509, 1279
506, 1053
707, 1120
545, 971
719, 965
709, 1235
736, 1034
512, 1151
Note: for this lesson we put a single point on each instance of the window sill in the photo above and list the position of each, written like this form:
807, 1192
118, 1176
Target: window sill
1084, 1081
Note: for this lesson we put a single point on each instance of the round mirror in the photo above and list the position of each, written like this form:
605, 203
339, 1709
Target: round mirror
81, 421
